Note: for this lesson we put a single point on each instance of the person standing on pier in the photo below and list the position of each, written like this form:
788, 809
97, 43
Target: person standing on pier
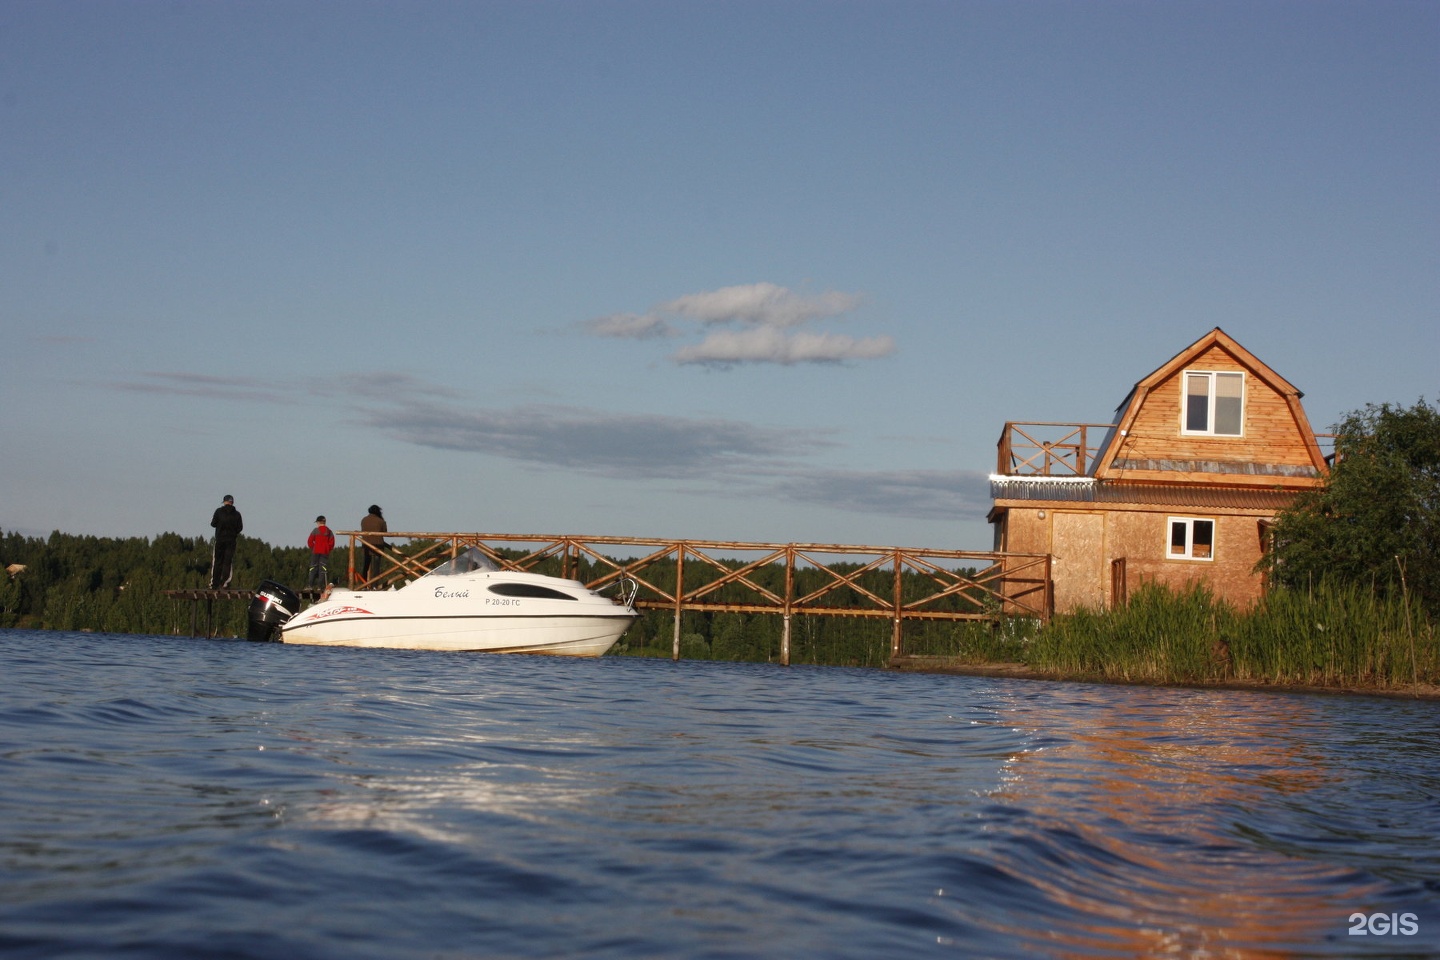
373, 524
321, 542
228, 524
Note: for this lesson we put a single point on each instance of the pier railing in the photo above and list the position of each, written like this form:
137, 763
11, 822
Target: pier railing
788, 579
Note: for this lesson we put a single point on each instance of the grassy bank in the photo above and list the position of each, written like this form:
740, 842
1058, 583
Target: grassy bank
1333, 636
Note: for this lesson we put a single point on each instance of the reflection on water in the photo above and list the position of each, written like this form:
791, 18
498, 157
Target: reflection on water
406, 796
1148, 806
165, 797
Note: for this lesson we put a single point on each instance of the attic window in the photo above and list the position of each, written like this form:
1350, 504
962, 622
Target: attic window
1214, 403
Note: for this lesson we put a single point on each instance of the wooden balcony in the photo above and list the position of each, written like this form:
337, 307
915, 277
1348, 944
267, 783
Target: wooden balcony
1049, 449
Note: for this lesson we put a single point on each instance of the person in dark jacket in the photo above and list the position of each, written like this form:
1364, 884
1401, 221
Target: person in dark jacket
321, 542
373, 524
227, 524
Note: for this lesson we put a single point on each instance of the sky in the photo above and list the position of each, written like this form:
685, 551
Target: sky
753, 271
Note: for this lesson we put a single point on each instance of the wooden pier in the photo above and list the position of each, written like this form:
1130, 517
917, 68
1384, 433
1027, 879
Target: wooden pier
900, 584
198, 595
786, 579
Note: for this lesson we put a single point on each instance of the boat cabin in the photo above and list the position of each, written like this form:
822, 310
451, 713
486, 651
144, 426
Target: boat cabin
1181, 487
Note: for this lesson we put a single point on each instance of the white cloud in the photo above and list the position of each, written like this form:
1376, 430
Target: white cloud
765, 319
764, 304
769, 345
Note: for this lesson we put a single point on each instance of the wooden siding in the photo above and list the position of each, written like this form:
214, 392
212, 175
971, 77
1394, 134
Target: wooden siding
1085, 544
1142, 538
1271, 436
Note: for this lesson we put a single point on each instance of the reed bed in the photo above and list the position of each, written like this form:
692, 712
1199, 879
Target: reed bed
1005, 640
1333, 635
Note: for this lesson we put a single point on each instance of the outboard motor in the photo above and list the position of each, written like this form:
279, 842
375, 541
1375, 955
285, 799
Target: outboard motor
274, 604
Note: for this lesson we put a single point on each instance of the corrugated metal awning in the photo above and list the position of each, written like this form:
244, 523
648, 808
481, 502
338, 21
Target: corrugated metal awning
1092, 491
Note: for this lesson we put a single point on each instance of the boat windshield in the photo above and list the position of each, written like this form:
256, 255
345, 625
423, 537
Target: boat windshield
468, 562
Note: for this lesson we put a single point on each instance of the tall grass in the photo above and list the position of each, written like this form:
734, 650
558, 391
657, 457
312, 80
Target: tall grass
1005, 640
1333, 635
1159, 636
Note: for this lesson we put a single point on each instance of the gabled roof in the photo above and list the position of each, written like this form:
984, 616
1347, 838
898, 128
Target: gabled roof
1130, 409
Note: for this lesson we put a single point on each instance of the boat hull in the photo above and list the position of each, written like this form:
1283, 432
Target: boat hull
465, 604
575, 635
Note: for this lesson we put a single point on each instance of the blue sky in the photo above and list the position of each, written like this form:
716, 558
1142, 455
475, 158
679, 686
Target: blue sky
747, 271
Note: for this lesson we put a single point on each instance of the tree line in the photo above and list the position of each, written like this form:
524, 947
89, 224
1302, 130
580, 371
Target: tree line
116, 584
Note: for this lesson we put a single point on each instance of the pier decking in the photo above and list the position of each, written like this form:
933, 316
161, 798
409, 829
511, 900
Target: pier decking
205, 595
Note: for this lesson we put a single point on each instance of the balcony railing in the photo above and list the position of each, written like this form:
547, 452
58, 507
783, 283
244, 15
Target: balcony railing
1050, 449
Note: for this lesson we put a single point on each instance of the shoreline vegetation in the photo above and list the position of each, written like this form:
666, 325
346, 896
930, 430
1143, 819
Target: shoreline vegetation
1330, 637
1333, 637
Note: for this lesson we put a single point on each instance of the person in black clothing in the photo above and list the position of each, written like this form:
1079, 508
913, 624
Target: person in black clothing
227, 524
372, 524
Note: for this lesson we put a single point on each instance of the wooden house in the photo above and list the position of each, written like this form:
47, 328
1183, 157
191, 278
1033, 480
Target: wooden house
1181, 487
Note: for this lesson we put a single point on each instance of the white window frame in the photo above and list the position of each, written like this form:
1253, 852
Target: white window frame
1211, 377
1189, 552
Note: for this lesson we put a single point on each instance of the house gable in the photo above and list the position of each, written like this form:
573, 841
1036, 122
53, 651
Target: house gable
1274, 447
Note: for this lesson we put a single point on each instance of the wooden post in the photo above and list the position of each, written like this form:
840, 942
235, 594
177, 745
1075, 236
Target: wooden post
897, 634
679, 598
1049, 587
789, 597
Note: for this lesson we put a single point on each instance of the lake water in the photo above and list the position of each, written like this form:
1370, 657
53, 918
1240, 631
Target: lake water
175, 797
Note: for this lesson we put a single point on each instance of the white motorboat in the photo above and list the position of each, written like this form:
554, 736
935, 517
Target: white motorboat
465, 604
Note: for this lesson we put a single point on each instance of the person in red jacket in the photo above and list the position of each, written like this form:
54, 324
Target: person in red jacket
321, 542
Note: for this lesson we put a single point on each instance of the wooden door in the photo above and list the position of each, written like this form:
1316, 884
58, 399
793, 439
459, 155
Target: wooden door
1078, 545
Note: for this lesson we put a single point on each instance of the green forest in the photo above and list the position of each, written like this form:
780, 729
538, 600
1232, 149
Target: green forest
73, 582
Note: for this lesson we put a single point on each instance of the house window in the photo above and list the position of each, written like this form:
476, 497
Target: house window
1214, 403
1191, 539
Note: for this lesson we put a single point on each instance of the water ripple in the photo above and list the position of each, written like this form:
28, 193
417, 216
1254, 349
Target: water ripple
171, 797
